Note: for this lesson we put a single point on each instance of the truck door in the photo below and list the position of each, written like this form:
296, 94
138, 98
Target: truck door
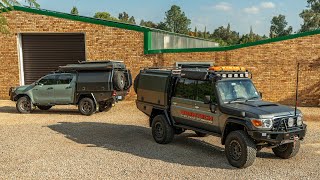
206, 118
183, 102
43, 92
65, 89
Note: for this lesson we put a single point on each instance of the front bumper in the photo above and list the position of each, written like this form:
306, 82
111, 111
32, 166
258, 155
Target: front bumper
279, 137
12, 94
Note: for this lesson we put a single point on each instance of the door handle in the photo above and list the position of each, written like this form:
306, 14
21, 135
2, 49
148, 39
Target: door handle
68, 87
197, 107
50, 88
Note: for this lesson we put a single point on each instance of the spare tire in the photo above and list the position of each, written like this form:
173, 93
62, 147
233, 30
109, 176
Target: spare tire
119, 80
136, 82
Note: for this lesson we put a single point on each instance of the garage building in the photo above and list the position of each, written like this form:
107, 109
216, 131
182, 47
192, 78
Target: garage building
40, 40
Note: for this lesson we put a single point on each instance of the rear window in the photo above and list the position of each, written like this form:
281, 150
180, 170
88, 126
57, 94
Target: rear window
186, 89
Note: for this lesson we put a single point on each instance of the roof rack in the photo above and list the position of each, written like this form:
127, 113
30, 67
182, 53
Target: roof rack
98, 62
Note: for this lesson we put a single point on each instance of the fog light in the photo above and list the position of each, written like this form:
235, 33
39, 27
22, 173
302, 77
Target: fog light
290, 122
299, 121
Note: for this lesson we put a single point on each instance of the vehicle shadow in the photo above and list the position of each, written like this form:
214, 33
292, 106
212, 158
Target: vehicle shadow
13, 110
138, 141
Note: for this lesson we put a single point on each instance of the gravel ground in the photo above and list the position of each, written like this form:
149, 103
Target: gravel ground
60, 143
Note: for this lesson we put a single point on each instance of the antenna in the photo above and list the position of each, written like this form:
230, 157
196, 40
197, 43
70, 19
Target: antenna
297, 90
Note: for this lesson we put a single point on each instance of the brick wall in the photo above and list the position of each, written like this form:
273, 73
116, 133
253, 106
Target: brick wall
273, 65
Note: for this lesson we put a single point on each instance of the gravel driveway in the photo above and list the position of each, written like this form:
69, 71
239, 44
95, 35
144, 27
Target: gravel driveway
60, 143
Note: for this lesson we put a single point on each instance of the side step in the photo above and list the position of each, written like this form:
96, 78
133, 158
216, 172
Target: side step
196, 129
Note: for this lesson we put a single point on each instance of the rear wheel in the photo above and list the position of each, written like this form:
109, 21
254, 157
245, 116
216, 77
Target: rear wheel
162, 131
86, 106
44, 107
240, 149
24, 105
287, 151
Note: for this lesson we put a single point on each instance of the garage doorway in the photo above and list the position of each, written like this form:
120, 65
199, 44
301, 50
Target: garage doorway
41, 54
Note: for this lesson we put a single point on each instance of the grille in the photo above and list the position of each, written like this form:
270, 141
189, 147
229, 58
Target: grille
281, 124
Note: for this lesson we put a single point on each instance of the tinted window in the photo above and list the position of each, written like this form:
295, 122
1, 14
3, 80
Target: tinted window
205, 88
186, 88
48, 80
65, 79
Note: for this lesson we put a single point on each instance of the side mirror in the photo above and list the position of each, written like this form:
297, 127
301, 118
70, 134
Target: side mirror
207, 99
213, 107
260, 93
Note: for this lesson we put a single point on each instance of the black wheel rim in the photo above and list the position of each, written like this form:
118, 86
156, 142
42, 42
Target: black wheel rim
25, 105
159, 131
235, 150
86, 107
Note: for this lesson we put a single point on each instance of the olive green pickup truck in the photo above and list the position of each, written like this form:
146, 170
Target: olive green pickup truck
92, 86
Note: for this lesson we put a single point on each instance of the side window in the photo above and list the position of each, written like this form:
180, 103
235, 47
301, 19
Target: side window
48, 80
205, 88
65, 79
186, 88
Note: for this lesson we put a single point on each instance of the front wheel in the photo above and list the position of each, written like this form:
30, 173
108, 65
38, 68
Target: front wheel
287, 151
24, 105
162, 131
240, 149
86, 106
44, 108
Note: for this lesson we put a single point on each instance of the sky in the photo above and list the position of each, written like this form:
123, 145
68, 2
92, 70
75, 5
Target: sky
241, 14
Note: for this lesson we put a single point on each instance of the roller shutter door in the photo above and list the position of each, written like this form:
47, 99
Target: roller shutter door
44, 53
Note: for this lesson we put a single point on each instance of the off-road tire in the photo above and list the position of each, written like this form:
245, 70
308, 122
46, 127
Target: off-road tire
240, 141
86, 106
119, 80
200, 134
24, 105
44, 108
105, 106
287, 151
162, 131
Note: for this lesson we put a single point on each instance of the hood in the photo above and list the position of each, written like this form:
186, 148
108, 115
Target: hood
258, 109
24, 88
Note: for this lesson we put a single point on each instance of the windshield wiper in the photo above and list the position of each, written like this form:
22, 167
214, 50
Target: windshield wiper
238, 98
252, 98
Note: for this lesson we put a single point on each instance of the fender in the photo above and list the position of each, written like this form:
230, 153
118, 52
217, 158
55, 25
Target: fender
241, 122
165, 112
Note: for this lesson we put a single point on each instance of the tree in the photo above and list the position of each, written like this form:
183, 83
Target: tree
163, 26
278, 27
311, 16
74, 11
226, 34
124, 17
251, 37
105, 16
148, 24
7, 4
176, 20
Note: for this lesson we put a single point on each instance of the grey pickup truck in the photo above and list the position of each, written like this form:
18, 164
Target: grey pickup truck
219, 101
92, 86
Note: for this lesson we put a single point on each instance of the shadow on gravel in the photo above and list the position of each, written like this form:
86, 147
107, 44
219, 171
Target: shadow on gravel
13, 110
138, 141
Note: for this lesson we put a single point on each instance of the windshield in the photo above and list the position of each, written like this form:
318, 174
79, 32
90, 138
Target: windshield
237, 90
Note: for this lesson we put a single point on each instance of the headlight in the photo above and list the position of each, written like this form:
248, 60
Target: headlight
290, 122
299, 121
262, 123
